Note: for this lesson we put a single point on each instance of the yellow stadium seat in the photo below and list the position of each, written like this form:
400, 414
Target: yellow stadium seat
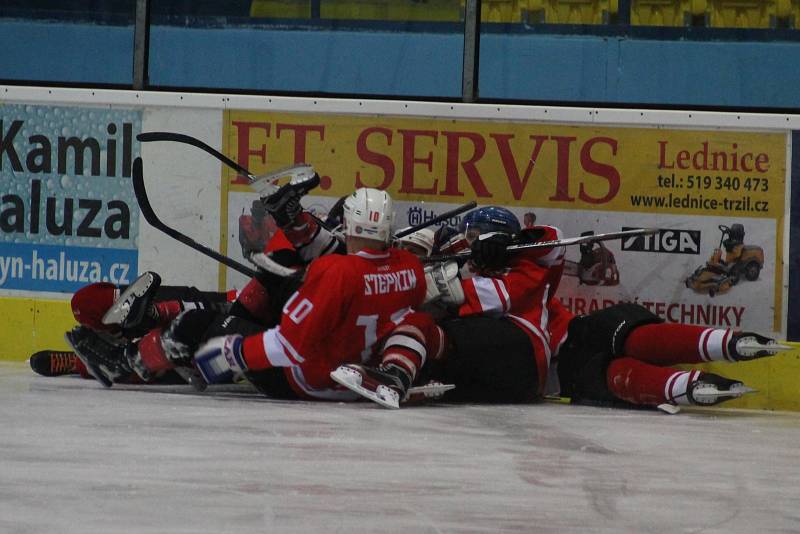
501, 10
789, 12
394, 10
664, 12
283, 9
742, 13
660, 13
570, 11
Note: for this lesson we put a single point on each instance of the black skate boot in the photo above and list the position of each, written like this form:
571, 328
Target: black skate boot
106, 361
54, 363
386, 385
135, 305
710, 389
284, 204
745, 346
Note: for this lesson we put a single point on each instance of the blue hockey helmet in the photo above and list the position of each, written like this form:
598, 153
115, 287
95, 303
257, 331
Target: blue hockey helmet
489, 219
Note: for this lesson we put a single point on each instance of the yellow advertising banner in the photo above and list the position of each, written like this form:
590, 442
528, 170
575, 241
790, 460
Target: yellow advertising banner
621, 169
702, 188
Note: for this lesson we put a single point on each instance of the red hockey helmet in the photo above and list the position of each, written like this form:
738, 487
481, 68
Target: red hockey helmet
90, 303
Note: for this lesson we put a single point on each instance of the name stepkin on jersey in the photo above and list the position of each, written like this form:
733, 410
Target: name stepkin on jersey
382, 284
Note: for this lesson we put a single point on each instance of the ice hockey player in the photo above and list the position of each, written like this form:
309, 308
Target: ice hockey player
115, 358
120, 314
419, 243
505, 324
626, 353
348, 308
621, 353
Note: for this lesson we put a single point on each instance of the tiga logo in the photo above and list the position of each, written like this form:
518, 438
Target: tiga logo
670, 241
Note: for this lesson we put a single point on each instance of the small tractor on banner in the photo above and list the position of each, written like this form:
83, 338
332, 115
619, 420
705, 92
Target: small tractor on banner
720, 274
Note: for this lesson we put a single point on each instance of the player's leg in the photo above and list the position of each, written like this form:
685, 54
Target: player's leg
146, 304
403, 354
642, 383
262, 299
488, 360
593, 341
50, 362
668, 343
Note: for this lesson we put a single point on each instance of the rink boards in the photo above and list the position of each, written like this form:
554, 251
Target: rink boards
69, 216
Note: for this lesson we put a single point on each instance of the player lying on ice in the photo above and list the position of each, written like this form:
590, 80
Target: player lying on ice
348, 308
113, 319
118, 315
512, 340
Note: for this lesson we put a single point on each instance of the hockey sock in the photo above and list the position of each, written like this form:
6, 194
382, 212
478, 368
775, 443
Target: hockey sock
413, 342
166, 311
669, 343
254, 299
641, 383
151, 358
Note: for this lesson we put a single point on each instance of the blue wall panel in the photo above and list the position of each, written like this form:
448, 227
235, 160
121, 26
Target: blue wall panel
383, 63
621, 70
64, 52
557, 68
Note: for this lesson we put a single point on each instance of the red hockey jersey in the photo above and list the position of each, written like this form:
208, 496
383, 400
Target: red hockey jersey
345, 307
524, 293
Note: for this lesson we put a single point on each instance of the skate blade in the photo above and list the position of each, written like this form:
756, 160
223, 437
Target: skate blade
192, 377
121, 307
710, 393
352, 381
789, 345
431, 390
90, 367
671, 409
778, 346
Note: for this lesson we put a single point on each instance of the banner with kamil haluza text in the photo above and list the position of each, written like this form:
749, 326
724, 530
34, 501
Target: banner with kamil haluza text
68, 215
718, 198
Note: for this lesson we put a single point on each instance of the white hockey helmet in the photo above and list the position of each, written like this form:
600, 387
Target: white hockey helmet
369, 214
422, 238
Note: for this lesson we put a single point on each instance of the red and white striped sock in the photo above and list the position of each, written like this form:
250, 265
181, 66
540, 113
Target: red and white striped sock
671, 343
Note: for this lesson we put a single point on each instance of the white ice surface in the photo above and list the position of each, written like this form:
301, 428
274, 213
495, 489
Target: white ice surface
77, 458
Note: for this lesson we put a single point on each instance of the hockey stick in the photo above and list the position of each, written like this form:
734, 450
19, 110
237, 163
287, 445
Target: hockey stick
151, 217
146, 137
259, 182
554, 243
444, 216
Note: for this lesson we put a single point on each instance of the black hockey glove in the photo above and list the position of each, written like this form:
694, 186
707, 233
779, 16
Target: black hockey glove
489, 251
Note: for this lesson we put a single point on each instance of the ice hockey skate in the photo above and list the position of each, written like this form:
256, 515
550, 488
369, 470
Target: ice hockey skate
134, 303
385, 386
105, 361
54, 363
745, 346
267, 184
284, 203
711, 389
